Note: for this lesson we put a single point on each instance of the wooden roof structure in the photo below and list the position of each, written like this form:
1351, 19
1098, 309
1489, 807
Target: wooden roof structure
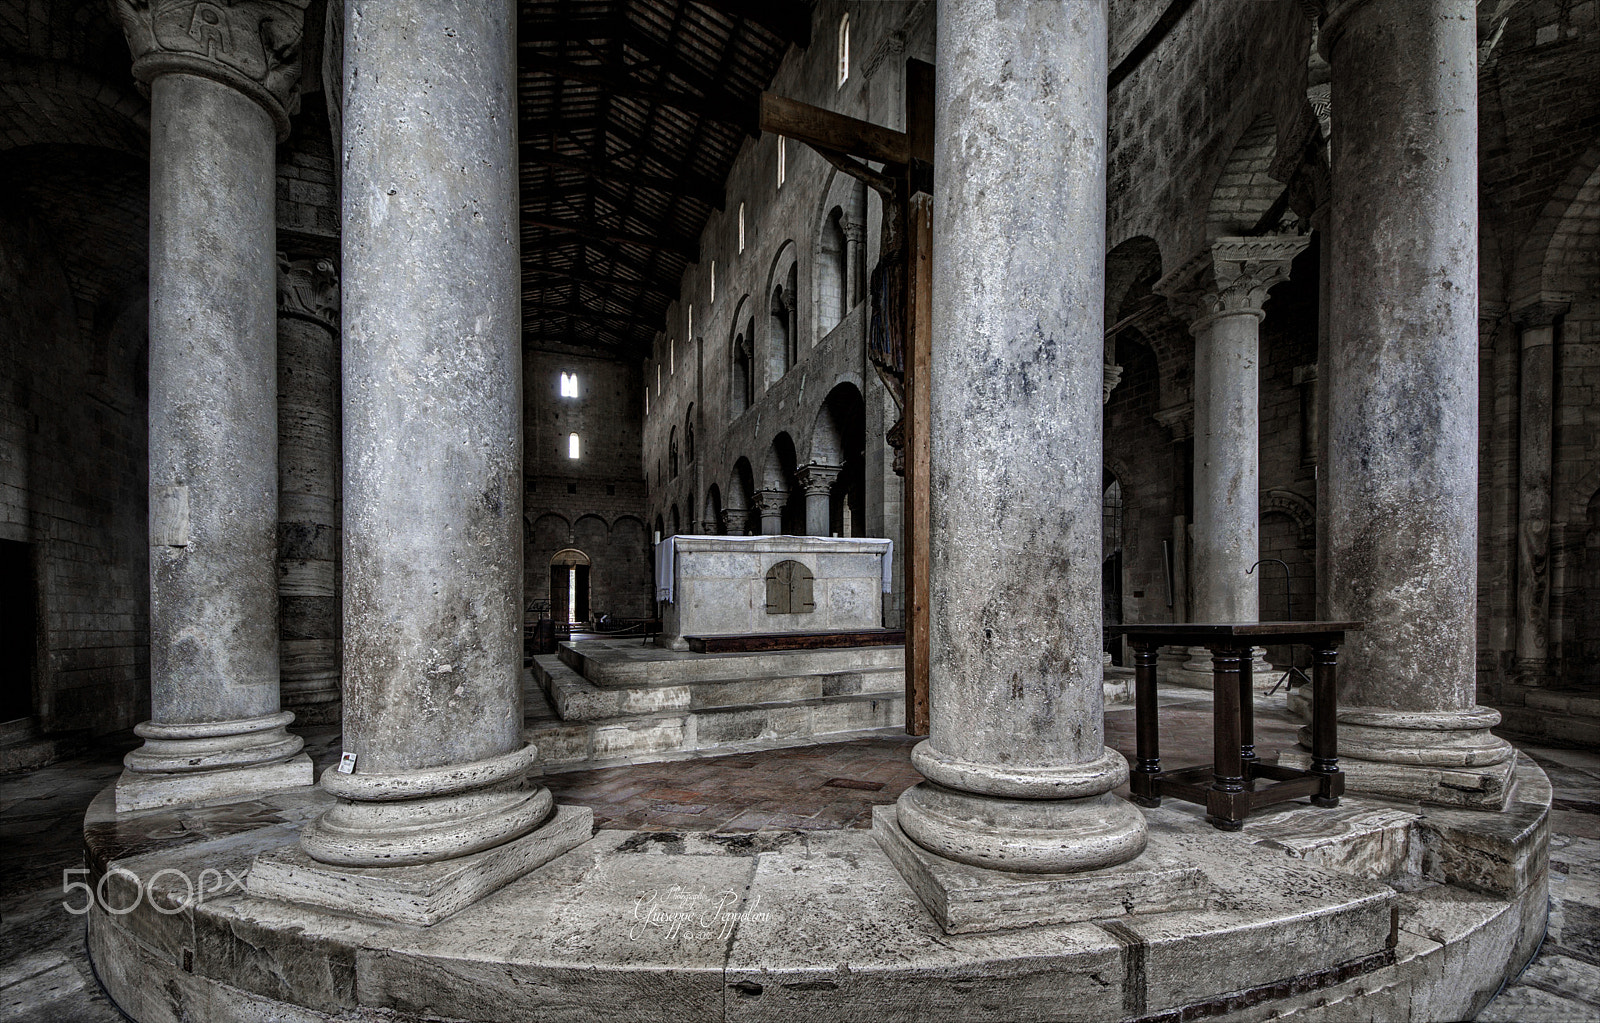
630, 114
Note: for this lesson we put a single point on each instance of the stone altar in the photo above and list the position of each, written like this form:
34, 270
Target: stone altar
719, 585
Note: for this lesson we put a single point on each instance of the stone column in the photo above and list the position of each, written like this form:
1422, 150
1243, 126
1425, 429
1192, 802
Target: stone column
1536, 329
1018, 776
308, 488
220, 80
432, 490
1403, 401
855, 255
1222, 294
817, 481
735, 521
770, 504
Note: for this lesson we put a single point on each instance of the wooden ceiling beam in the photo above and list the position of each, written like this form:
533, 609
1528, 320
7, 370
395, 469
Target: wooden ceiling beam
618, 83
687, 249
599, 280
789, 20
685, 186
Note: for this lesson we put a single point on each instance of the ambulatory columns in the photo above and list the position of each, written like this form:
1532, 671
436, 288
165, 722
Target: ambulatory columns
1403, 409
1018, 774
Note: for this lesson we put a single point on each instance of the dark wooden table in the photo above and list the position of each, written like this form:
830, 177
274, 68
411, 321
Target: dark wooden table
1237, 781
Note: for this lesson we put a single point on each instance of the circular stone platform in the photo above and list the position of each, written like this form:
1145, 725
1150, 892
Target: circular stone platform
1373, 910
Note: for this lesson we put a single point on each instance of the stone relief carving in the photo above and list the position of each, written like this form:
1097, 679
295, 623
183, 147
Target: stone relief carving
252, 45
309, 288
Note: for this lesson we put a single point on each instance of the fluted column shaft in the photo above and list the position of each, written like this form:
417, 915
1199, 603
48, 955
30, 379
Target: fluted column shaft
216, 727
1018, 773
433, 441
1403, 402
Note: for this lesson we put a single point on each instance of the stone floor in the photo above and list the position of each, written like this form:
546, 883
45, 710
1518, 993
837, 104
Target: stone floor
45, 976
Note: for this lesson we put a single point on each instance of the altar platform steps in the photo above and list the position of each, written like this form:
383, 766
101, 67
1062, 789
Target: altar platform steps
655, 709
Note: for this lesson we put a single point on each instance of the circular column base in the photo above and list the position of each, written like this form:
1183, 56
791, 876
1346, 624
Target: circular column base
213, 745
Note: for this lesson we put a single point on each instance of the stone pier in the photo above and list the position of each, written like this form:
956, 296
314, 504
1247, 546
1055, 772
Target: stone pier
1018, 776
216, 727
438, 810
308, 488
1403, 360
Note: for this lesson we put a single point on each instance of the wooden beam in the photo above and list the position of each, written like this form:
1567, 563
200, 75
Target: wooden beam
617, 82
626, 328
688, 250
789, 20
703, 191
599, 280
818, 127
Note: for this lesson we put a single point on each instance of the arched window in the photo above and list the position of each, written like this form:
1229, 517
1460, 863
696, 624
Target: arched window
572, 445
781, 343
832, 290
844, 49
688, 437
672, 452
569, 385
739, 399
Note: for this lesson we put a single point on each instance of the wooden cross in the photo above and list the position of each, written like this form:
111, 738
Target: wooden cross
905, 185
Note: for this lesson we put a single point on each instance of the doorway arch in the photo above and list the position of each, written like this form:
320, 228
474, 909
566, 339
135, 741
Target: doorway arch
569, 586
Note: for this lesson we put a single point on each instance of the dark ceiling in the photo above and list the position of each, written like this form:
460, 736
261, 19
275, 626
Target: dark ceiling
630, 115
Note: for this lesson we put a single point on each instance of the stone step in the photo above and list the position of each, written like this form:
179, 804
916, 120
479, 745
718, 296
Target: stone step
1555, 701
640, 738
631, 663
1538, 723
576, 698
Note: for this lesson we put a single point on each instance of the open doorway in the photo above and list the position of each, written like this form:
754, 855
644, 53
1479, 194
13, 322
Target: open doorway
17, 614
569, 586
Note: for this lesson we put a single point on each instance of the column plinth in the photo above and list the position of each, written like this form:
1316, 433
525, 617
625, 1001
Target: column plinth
1403, 403
216, 729
439, 796
1018, 776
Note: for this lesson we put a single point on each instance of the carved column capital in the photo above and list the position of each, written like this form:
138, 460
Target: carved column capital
1542, 311
771, 502
1232, 277
251, 45
735, 521
1178, 420
309, 289
818, 479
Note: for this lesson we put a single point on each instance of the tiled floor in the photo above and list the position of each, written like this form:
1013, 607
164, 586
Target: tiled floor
45, 976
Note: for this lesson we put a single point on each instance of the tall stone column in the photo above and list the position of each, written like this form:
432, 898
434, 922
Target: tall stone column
1403, 402
220, 80
1536, 329
770, 504
308, 488
817, 481
432, 480
1018, 776
1222, 294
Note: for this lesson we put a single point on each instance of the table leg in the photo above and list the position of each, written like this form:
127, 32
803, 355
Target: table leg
1247, 712
1324, 723
1226, 802
1142, 779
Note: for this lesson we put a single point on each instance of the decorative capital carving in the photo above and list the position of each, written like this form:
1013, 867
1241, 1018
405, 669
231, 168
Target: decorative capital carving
771, 502
1110, 376
818, 479
251, 45
1178, 420
1233, 277
1542, 311
309, 289
734, 521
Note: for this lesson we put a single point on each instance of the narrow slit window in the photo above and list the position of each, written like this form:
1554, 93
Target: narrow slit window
713, 282
783, 160
672, 355
691, 323
741, 228
569, 385
572, 445
844, 49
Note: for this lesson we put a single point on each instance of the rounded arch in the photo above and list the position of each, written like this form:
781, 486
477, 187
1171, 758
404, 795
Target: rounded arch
741, 359
837, 253
672, 453
674, 522
590, 531
1298, 509
838, 430
1246, 191
1132, 269
57, 103
569, 556
711, 511
688, 436
781, 348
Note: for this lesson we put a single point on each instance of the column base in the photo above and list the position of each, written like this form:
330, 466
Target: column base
965, 899
419, 894
1443, 757
140, 790
1262, 675
193, 762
